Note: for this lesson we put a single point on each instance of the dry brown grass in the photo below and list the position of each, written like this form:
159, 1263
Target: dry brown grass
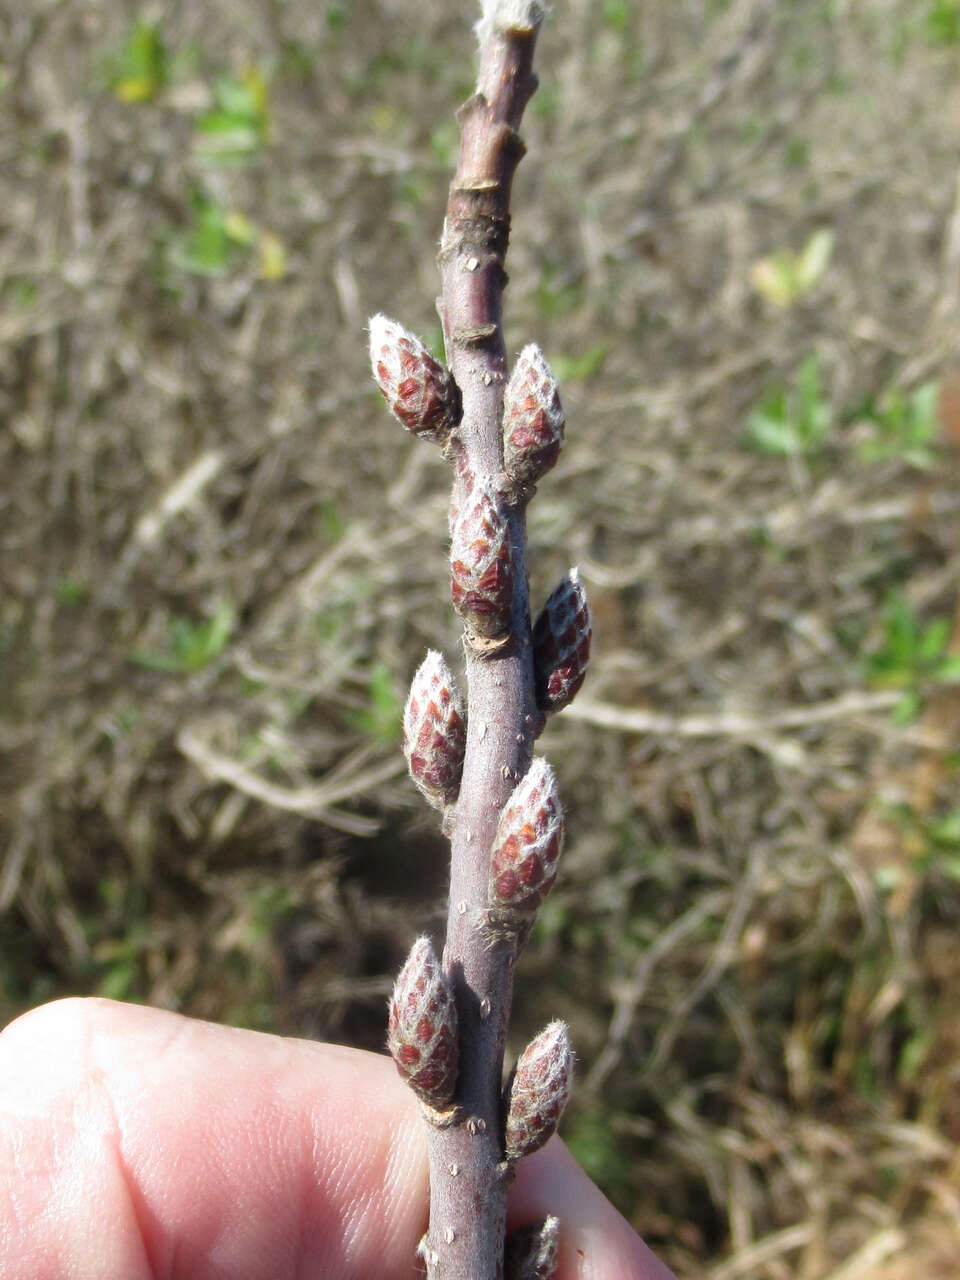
755, 933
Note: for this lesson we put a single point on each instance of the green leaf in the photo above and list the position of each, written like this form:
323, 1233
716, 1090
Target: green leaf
814, 259
70, 590
775, 278
119, 979
579, 368
214, 242
948, 671
616, 14
191, 646
945, 831
923, 409
331, 520
382, 717
933, 640
785, 276
907, 709
795, 420
139, 71
238, 124
902, 629
942, 23
913, 1055
904, 429
772, 435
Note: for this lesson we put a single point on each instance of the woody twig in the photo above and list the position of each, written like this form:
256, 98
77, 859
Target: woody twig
500, 805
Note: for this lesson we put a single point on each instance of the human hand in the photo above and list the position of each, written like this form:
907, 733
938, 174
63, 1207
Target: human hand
137, 1144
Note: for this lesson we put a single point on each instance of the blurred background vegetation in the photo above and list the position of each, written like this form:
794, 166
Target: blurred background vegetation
737, 238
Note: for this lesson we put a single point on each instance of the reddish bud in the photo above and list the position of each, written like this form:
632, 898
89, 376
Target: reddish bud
422, 1027
539, 1091
481, 567
533, 419
419, 391
434, 732
532, 1252
561, 644
527, 846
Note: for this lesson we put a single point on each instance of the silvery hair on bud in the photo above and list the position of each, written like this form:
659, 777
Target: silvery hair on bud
509, 15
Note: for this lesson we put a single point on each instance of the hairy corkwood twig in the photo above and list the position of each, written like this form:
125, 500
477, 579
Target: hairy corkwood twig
448, 1021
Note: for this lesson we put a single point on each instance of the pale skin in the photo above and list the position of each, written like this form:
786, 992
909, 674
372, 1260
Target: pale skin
137, 1144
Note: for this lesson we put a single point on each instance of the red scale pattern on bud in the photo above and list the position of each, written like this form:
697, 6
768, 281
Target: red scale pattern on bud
533, 419
532, 1252
422, 1027
434, 731
527, 846
481, 568
419, 391
539, 1091
561, 644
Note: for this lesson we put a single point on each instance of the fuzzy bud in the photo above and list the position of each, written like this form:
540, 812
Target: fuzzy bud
481, 567
526, 850
561, 644
533, 419
419, 391
532, 1252
521, 17
434, 732
539, 1090
422, 1027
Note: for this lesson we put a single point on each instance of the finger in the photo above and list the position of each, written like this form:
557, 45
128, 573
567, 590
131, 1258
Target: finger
137, 1143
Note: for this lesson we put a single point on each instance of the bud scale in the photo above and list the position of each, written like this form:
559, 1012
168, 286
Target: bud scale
527, 846
434, 732
422, 1027
419, 391
561, 644
481, 566
539, 1091
533, 419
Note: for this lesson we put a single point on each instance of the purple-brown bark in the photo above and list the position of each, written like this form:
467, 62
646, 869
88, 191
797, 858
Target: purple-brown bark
493, 899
